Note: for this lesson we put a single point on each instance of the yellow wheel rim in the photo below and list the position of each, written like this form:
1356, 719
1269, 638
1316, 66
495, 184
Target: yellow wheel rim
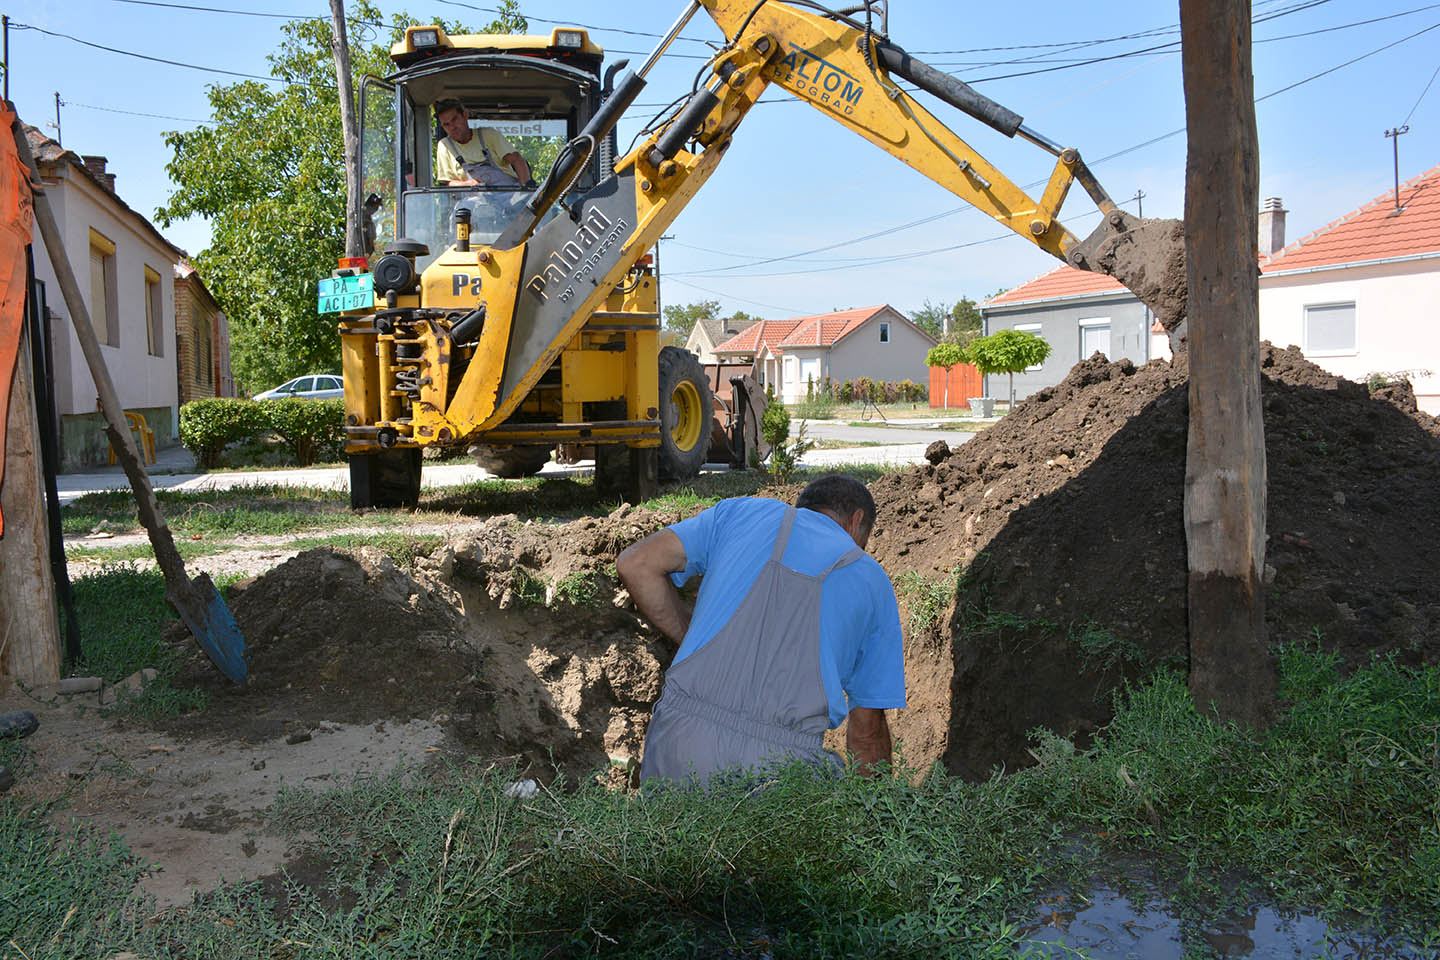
685, 400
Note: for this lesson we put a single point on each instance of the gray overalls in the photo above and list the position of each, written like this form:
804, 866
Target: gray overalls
486, 172
753, 693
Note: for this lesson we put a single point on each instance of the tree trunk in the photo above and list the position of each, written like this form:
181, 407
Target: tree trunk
1225, 458
29, 627
354, 239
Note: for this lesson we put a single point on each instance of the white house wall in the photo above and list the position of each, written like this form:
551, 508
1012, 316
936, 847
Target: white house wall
142, 381
861, 354
1397, 319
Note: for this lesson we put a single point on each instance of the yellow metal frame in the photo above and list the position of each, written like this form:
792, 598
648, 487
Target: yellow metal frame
819, 60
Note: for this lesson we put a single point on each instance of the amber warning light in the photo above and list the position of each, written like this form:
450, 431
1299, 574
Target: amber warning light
353, 263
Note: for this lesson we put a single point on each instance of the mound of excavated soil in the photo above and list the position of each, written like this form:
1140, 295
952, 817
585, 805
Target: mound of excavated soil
1071, 510
1067, 517
517, 639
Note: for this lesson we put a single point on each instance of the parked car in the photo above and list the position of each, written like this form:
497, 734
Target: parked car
314, 387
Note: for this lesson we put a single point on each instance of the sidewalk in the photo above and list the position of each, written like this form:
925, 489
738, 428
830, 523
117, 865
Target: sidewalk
174, 469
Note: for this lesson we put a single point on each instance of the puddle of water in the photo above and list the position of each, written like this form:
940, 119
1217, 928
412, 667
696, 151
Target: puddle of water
1105, 925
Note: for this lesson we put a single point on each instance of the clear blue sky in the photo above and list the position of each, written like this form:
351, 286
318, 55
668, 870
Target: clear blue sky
795, 181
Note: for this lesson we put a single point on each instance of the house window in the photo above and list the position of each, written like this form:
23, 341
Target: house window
104, 309
203, 355
154, 315
1094, 337
884, 332
1035, 329
790, 370
1330, 330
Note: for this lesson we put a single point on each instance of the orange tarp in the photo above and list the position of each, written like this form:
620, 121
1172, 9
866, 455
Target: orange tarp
16, 219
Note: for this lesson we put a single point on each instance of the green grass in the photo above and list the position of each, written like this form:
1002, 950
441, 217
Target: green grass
259, 509
123, 615
402, 548
925, 598
1335, 809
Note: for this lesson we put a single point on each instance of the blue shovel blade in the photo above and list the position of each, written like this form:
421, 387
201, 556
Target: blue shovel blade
212, 623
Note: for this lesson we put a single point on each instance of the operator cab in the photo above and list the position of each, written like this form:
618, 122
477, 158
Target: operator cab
531, 93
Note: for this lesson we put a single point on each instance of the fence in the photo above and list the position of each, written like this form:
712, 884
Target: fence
965, 382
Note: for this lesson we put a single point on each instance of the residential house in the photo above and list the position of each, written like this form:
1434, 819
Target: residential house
202, 339
1077, 313
125, 269
1358, 296
707, 333
876, 342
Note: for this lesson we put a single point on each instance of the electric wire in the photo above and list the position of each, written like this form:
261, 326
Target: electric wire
726, 270
1421, 97
134, 113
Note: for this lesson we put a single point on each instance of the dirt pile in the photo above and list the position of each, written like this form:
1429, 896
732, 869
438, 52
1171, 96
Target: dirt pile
1071, 510
517, 639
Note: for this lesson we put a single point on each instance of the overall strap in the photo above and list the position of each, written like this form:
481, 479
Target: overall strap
783, 537
844, 560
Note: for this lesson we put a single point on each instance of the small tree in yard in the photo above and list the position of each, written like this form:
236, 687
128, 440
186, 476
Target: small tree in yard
775, 428
945, 355
1007, 351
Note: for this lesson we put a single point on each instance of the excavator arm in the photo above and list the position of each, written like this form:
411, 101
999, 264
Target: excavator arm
546, 280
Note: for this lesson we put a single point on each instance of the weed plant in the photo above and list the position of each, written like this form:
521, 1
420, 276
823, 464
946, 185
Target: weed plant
1334, 808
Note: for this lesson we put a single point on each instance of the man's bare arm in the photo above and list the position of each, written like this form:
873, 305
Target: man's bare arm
867, 736
645, 568
519, 165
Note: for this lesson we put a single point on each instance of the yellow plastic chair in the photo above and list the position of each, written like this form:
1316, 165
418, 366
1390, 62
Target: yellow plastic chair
144, 438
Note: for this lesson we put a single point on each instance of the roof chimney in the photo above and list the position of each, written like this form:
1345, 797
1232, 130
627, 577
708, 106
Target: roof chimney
1272, 226
96, 166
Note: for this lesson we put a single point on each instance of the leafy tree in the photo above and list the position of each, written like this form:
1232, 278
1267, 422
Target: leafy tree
963, 318
269, 177
682, 317
945, 355
1007, 351
931, 317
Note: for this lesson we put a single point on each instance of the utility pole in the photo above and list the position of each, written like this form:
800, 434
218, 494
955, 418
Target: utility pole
5, 23
1230, 668
1144, 307
58, 101
354, 239
1395, 136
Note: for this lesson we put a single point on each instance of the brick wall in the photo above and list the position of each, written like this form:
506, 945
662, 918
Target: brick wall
196, 380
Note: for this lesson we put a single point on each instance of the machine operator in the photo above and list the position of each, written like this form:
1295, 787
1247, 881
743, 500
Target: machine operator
467, 157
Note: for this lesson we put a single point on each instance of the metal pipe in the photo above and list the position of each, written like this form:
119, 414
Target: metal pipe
1040, 140
669, 38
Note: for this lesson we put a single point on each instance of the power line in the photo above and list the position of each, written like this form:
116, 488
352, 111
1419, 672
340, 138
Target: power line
670, 277
1095, 163
144, 56
135, 113
1421, 97
242, 13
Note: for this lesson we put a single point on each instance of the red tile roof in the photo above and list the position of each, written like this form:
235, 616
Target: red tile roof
1373, 232
823, 329
1063, 281
748, 341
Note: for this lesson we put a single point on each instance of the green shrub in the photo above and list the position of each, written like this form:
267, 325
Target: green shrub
207, 426
819, 407
306, 426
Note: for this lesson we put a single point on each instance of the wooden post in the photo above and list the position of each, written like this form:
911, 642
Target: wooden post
1225, 460
354, 240
29, 627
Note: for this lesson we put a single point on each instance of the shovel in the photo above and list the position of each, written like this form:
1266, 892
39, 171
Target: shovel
198, 603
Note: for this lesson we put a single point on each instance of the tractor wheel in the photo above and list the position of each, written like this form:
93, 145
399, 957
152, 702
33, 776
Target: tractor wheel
390, 478
685, 414
626, 473
511, 463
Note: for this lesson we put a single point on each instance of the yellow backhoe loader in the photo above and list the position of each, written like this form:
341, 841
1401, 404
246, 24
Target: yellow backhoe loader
510, 318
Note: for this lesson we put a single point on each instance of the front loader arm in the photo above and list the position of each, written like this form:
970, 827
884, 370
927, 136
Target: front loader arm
848, 74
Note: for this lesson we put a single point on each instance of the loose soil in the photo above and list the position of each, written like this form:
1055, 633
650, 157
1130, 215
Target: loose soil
1059, 532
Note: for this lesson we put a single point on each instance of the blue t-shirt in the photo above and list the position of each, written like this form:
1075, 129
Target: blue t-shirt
861, 660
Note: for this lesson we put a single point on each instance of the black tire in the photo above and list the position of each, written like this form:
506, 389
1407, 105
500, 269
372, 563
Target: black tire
390, 478
686, 412
511, 463
628, 474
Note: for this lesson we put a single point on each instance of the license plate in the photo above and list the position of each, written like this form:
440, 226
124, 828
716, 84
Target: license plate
338, 294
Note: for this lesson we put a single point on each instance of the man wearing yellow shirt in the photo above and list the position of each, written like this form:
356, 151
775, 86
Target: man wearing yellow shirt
465, 159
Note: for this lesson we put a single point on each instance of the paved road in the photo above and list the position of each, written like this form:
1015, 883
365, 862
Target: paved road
175, 469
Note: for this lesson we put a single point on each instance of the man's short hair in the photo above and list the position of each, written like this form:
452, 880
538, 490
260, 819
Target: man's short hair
440, 106
838, 494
